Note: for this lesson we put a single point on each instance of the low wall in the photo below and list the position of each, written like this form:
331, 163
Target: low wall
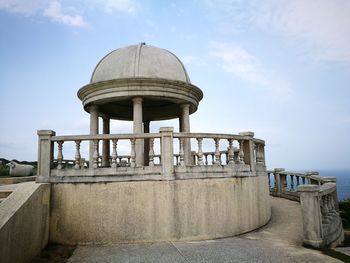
24, 223
141, 211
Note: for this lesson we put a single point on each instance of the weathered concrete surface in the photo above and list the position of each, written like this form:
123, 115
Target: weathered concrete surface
24, 222
279, 241
124, 212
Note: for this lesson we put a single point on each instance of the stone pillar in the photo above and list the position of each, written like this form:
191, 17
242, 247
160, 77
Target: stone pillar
167, 152
278, 182
93, 131
106, 143
45, 154
146, 126
185, 127
312, 218
137, 112
248, 149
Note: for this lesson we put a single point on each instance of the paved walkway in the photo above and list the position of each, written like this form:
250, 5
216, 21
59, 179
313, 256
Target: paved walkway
279, 241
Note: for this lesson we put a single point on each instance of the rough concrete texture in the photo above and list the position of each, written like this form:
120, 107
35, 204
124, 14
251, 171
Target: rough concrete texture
197, 209
140, 61
279, 241
24, 222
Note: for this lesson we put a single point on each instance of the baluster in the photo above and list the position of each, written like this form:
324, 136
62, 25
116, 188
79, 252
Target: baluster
133, 153
200, 151
59, 155
217, 152
151, 152
181, 152
297, 178
241, 153
77, 156
324, 210
291, 183
259, 158
95, 155
114, 153
230, 152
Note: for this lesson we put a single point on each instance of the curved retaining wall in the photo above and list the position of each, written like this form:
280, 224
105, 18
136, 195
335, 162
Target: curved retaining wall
143, 211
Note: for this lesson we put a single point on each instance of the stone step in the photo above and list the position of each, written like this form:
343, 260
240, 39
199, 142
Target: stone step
5, 193
2, 199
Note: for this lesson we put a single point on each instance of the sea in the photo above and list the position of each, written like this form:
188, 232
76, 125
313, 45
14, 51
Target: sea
343, 181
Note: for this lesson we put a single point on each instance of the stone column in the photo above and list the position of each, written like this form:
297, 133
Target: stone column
312, 218
106, 143
146, 125
185, 127
137, 112
248, 149
45, 154
93, 130
167, 152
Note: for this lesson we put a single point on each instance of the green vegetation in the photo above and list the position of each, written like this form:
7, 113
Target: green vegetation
344, 209
4, 170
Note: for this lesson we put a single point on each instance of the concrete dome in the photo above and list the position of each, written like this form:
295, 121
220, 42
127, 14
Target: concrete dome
153, 74
140, 61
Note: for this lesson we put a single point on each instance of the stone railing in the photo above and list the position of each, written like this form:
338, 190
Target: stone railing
321, 221
319, 203
230, 155
284, 184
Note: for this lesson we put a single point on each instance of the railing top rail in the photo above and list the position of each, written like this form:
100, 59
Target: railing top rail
216, 136
105, 137
327, 188
307, 175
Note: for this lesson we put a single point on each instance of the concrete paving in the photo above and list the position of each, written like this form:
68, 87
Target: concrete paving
279, 241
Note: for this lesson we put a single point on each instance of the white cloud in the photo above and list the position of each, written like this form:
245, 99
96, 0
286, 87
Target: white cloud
322, 27
323, 24
21, 6
52, 9
242, 64
127, 6
57, 14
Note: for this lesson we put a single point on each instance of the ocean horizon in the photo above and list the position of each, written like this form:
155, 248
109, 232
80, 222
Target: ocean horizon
343, 181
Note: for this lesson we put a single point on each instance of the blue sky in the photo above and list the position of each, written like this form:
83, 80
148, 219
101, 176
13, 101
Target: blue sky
279, 68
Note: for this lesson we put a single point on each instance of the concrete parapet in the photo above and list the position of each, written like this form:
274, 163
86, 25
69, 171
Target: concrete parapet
24, 223
321, 221
150, 211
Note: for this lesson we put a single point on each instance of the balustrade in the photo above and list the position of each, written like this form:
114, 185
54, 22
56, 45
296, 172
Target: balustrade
226, 150
321, 220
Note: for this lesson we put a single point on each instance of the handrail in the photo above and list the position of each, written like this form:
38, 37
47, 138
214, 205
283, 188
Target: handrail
105, 137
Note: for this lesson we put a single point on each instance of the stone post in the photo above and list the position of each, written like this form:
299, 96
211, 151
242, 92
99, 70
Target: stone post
146, 126
93, 131
332, 179
45, 153
314, 174
137, 127
248, 149
167, 152
106, 143
185, 127
312, 218
278, 183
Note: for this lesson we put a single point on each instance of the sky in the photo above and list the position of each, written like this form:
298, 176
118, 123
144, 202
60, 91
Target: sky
279, 68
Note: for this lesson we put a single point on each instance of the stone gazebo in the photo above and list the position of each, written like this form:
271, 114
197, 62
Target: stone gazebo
139, 83
203, 185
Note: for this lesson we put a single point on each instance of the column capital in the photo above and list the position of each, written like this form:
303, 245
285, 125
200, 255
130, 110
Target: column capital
93, 108
137, 100
185, 106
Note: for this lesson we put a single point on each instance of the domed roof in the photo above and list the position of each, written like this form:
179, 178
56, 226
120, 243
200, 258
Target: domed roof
140, 61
